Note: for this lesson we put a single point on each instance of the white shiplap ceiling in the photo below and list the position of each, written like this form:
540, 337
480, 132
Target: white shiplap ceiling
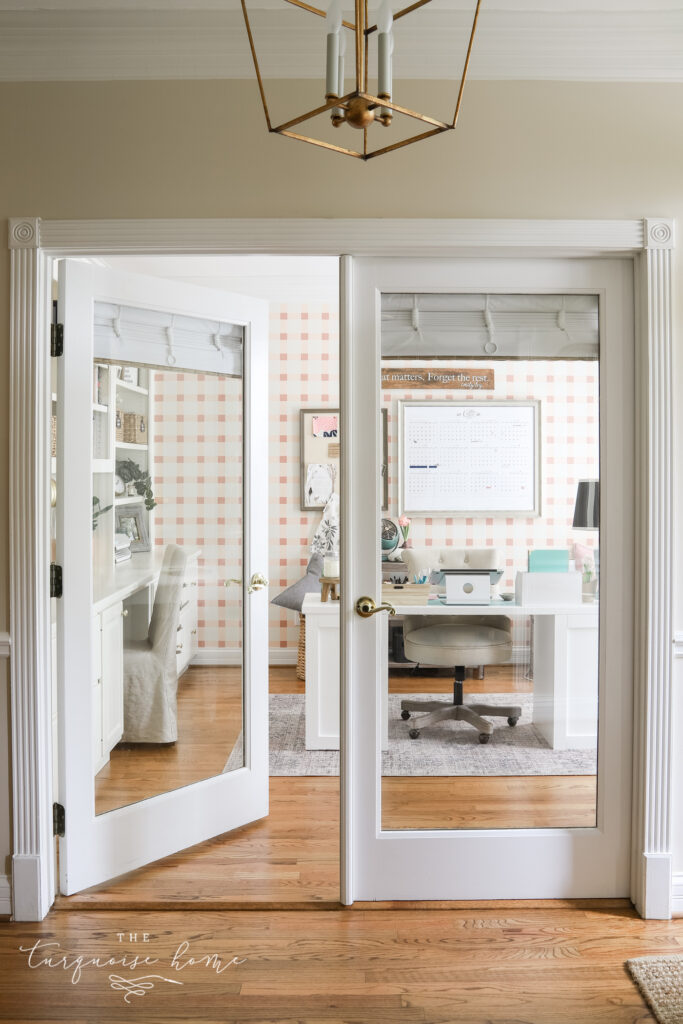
570, 40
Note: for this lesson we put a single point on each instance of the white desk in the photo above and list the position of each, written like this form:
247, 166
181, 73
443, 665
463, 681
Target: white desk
565, 660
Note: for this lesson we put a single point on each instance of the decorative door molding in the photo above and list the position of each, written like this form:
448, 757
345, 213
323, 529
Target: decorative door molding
34, 243
651, 864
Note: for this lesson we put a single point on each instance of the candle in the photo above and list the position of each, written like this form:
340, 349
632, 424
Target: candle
340, 71
333, 21
385, 48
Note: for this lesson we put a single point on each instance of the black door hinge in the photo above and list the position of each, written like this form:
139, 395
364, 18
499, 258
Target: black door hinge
56, 339
55, 580
58, 820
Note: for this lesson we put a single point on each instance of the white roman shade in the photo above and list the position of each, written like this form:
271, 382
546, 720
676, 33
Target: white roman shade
498, 326
144, 336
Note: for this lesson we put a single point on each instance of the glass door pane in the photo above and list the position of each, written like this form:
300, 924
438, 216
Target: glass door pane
490, 556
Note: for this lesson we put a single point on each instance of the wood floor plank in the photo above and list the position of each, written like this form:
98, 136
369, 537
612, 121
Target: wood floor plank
552, 965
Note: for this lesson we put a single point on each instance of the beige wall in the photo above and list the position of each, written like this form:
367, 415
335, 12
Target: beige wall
200, 149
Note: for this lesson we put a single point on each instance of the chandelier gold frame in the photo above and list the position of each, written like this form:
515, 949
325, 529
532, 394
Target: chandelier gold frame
362, 32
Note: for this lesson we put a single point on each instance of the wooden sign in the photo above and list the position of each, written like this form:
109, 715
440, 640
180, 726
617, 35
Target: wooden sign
407, 378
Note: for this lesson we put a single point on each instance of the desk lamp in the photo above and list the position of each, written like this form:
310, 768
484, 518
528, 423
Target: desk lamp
587, 511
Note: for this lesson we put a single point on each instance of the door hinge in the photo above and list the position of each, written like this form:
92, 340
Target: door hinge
55, 580
56, 339
58, 820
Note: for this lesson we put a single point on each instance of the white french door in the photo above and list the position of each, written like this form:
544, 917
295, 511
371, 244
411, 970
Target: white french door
392, 858
190, 366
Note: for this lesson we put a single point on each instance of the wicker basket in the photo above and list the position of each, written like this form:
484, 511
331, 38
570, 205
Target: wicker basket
134, 428
301, 650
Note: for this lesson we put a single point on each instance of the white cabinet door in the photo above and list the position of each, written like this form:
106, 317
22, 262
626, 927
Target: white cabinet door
199, 338
442, 862
112, 677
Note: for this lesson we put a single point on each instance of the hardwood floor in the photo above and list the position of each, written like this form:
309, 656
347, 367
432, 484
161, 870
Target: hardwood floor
553, 965
209, 722
561, 801
291, 858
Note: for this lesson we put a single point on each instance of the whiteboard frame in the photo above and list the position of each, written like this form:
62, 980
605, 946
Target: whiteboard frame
534, 404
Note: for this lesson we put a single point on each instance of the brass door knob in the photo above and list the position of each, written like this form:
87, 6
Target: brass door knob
257, 582
365, 607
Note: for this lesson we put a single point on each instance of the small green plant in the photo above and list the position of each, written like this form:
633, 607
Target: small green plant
98, 511
130, 472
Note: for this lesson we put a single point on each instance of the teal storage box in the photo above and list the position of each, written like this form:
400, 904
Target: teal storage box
549, 560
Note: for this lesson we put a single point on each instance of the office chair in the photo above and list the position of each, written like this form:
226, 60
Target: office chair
459, 642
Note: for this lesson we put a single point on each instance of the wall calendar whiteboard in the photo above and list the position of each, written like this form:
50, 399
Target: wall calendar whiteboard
469, 458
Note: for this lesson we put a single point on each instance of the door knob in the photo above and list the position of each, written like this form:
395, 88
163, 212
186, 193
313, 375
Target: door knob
257, 582
365, 607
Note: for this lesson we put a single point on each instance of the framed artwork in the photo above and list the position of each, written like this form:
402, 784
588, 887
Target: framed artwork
130, 519
319, 441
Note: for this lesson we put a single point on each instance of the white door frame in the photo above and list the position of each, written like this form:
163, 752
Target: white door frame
34, 243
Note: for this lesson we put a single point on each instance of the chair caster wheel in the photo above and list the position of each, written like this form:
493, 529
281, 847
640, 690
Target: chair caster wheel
484, 737
512, 720
405, 715
414, 733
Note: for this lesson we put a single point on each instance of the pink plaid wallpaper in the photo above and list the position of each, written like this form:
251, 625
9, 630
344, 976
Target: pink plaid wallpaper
197, 474
197, 436
569, 397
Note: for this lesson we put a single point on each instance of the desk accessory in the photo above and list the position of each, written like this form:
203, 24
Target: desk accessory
548, 588
470, 586
329, 588
549, 560
390, 537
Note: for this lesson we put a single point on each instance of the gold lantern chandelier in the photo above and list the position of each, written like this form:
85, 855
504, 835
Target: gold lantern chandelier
360, 109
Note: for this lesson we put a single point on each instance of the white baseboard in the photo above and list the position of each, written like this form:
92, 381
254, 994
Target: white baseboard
677, 893
230, 656
5, 894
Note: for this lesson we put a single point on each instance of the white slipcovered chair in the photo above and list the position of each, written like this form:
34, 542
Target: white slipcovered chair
459, 642
150, 675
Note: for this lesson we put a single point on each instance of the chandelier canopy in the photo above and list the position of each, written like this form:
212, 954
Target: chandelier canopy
359, 108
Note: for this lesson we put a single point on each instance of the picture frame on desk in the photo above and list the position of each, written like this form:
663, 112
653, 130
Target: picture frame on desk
319, 457
131, 520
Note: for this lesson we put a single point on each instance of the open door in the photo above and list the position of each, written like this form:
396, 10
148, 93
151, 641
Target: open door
162, 539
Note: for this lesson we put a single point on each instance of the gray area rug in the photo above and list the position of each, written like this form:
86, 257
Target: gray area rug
448, 748
660, 979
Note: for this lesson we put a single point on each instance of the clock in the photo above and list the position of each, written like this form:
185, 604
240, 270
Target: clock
119, 486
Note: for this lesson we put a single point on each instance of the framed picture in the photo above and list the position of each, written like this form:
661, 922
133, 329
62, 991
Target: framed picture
131, 520
320, 440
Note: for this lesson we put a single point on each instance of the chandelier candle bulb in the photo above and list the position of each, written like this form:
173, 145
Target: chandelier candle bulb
385, 48
338, 113
333, 20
